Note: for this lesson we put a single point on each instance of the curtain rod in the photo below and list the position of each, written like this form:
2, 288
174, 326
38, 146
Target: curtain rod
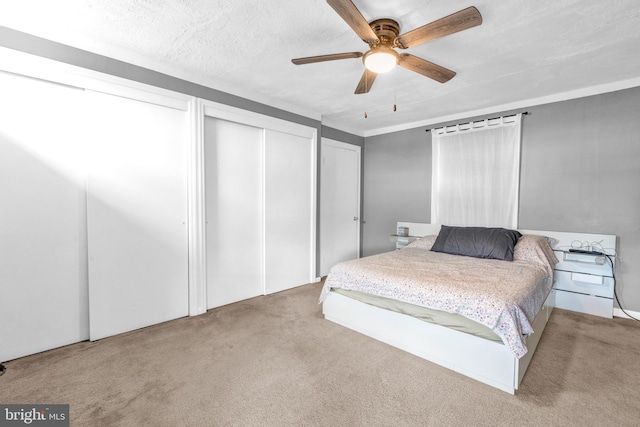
524, 113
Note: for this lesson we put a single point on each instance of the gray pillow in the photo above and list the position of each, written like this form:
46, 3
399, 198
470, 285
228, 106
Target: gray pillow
479, 242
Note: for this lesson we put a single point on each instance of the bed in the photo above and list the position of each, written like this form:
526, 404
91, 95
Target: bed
479, 316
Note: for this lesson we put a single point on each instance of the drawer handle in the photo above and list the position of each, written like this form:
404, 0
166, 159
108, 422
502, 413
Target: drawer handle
587, 278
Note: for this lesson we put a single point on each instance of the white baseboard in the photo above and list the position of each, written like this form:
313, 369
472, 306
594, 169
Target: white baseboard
619, 313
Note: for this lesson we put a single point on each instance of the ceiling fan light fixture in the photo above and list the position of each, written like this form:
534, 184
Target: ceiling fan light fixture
380, 60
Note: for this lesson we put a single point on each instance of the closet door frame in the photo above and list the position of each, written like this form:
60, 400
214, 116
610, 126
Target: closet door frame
202, 108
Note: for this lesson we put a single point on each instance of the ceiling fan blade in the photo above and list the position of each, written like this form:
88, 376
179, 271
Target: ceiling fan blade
461, 20
352, 16
323, 58
366, 81
426, 68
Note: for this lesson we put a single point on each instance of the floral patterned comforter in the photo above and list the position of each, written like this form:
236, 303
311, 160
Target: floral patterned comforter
506, 296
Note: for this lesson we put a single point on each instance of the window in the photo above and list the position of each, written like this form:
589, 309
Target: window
476, 173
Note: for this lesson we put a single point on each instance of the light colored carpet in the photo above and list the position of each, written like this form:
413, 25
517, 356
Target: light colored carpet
274, 361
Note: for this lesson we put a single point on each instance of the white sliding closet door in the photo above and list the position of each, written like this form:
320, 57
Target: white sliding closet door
233, 194
44, 301
260, 204
137, 233
289, 216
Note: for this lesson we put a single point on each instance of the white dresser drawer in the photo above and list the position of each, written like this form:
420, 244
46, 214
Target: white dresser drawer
582, 263
596, 306
584, 283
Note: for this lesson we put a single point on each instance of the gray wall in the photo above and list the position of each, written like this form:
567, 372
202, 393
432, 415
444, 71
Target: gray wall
338, 135
397, 185
580, 172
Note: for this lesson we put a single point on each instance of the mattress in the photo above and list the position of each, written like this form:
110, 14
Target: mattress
439, 317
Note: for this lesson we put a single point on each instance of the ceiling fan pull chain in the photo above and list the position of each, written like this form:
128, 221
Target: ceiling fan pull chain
395, 89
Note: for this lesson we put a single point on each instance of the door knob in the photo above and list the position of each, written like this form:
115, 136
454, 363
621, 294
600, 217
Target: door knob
355, 218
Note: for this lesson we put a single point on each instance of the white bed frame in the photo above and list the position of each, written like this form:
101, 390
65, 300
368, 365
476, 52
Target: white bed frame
486, 361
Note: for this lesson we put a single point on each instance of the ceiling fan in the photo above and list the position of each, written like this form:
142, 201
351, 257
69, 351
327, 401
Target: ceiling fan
382, 37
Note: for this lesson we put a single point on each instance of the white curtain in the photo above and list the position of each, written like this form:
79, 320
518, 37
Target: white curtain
476, 173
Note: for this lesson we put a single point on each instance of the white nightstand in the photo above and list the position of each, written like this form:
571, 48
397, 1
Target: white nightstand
584, 282
402, 241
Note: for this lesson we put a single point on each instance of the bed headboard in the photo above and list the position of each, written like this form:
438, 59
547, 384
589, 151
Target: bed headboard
561, 240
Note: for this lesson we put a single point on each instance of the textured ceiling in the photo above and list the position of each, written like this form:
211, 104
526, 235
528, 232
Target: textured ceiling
524, 50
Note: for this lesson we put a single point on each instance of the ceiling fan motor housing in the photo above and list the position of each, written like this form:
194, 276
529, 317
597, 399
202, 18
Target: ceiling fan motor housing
386, 29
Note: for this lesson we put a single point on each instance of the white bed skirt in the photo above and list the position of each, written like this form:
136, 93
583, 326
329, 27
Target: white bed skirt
486, 361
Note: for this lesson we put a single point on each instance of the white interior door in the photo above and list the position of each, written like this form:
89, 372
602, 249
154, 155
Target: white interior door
44, 301
136, 209
233, 203
339, 203
289, 210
